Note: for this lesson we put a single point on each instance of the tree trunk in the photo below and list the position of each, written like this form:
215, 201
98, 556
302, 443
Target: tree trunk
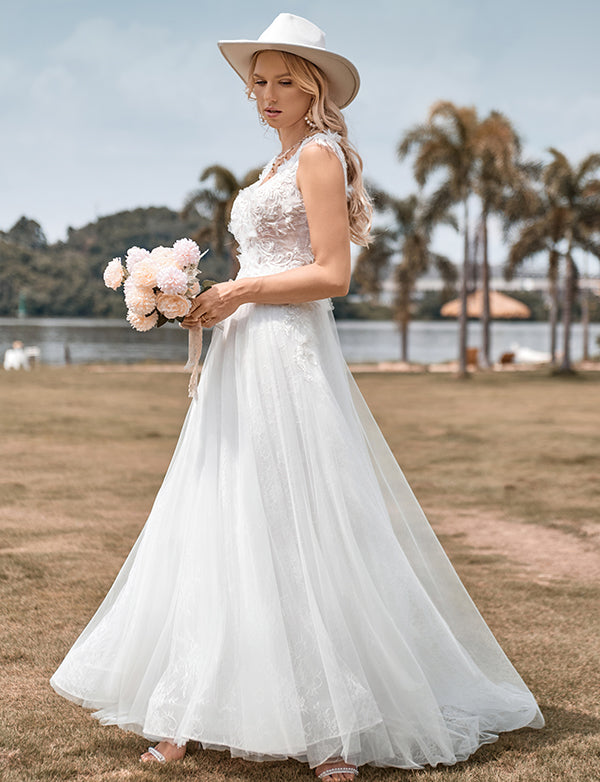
404, 339
585, 323
485, 288
462, 318
553, 320
566, 365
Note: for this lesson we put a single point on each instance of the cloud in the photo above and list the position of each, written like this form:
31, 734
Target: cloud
126, 107
130, 103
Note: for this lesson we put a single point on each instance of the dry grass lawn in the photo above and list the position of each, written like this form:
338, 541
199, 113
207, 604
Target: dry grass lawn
506, 466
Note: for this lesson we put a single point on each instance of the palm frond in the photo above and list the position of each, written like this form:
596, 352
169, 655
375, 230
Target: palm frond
372, 262
225, 181
250, 177
447, 270
587, 166
411, 138
532, 239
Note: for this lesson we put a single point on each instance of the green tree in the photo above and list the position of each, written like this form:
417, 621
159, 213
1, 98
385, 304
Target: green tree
213, 205
497, 175
564, 217
408, 238
539, 230
447, 141
373, 262
65, 278
27, 233
476, 157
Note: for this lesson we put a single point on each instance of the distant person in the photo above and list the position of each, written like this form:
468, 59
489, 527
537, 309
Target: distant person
15, 357
287, 597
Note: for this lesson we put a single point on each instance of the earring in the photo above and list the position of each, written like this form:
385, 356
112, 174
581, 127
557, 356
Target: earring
312, 125
262, 119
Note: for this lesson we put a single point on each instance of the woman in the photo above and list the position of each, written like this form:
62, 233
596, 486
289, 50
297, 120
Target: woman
287, 597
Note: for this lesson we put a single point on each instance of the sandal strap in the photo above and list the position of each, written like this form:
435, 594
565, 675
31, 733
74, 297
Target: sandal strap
345, 770
158, 755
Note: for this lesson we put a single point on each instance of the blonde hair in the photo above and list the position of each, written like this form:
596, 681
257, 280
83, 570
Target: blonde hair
326, 116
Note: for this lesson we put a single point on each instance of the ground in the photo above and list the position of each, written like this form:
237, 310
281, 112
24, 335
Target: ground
505, 465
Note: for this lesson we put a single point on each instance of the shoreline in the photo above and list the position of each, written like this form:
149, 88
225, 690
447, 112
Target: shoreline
399, 367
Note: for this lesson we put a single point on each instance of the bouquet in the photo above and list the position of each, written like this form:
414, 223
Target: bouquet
159, 286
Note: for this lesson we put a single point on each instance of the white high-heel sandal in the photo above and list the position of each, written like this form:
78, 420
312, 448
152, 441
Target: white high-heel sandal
340, 770
158, 755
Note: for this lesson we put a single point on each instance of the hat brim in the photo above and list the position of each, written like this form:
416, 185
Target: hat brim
342, 76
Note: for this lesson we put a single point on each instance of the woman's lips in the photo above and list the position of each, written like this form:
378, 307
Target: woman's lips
272, 112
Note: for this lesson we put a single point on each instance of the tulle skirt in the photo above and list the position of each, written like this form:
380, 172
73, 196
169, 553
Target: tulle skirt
287, 597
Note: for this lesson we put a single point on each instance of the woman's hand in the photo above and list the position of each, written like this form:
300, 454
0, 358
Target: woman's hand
213, 305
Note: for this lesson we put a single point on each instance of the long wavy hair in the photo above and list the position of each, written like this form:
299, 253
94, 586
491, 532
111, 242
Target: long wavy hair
327, 116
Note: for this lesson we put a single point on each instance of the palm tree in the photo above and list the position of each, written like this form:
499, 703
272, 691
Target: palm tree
577, 191
372, 263
215, 203
541, 228
498, 172
566, 217
408, 238
448, 141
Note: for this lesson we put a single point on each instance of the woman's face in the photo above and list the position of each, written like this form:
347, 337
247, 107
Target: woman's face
283, 104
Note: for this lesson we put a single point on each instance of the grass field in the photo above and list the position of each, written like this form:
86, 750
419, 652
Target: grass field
506, 467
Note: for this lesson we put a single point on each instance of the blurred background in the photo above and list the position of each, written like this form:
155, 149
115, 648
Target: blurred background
479, 127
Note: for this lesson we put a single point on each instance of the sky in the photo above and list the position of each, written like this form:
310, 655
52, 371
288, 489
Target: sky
117, 104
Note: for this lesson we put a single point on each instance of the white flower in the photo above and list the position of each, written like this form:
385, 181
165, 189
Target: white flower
186, 252
140, 300
162, 255
142, 322
173, 306
170, 279
135, 255
113, 274
143, 274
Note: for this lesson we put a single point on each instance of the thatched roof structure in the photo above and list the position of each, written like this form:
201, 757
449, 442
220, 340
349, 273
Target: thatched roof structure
501, 306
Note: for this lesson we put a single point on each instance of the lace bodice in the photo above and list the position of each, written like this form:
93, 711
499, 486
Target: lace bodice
268, 218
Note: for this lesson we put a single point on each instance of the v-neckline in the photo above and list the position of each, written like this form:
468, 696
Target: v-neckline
283, 162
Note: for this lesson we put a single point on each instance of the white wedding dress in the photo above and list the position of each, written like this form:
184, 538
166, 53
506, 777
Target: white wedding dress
287, 597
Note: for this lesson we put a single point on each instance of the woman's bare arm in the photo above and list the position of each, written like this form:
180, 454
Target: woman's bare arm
320, 179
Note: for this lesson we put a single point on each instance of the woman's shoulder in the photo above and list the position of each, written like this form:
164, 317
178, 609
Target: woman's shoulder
317, 148
319, 144
324, 138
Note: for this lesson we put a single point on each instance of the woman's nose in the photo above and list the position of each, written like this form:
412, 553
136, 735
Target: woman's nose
270, 93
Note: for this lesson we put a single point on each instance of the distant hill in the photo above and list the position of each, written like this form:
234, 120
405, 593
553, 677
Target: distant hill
65, 278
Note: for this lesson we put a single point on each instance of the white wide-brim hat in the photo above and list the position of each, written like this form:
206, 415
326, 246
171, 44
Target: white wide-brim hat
290, 33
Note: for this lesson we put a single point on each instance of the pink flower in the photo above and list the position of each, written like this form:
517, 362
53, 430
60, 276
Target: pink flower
113, 274
140, 300
142, 322
134, 256
129, 285
170, 279
186, 252
143, 274
162, 255
173, 305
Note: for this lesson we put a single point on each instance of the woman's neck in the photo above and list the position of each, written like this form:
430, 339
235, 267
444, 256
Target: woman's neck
290, 137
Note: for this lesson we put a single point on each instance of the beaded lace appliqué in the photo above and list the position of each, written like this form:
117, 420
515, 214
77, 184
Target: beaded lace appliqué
269, 222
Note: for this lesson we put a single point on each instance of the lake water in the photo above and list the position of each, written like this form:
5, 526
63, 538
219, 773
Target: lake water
93, 340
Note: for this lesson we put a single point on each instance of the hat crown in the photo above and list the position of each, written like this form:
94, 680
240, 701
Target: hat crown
292, 29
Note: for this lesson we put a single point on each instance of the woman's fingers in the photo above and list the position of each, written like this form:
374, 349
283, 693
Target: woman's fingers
208, 308
196, 304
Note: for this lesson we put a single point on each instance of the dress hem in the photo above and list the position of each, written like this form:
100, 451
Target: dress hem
261, 757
